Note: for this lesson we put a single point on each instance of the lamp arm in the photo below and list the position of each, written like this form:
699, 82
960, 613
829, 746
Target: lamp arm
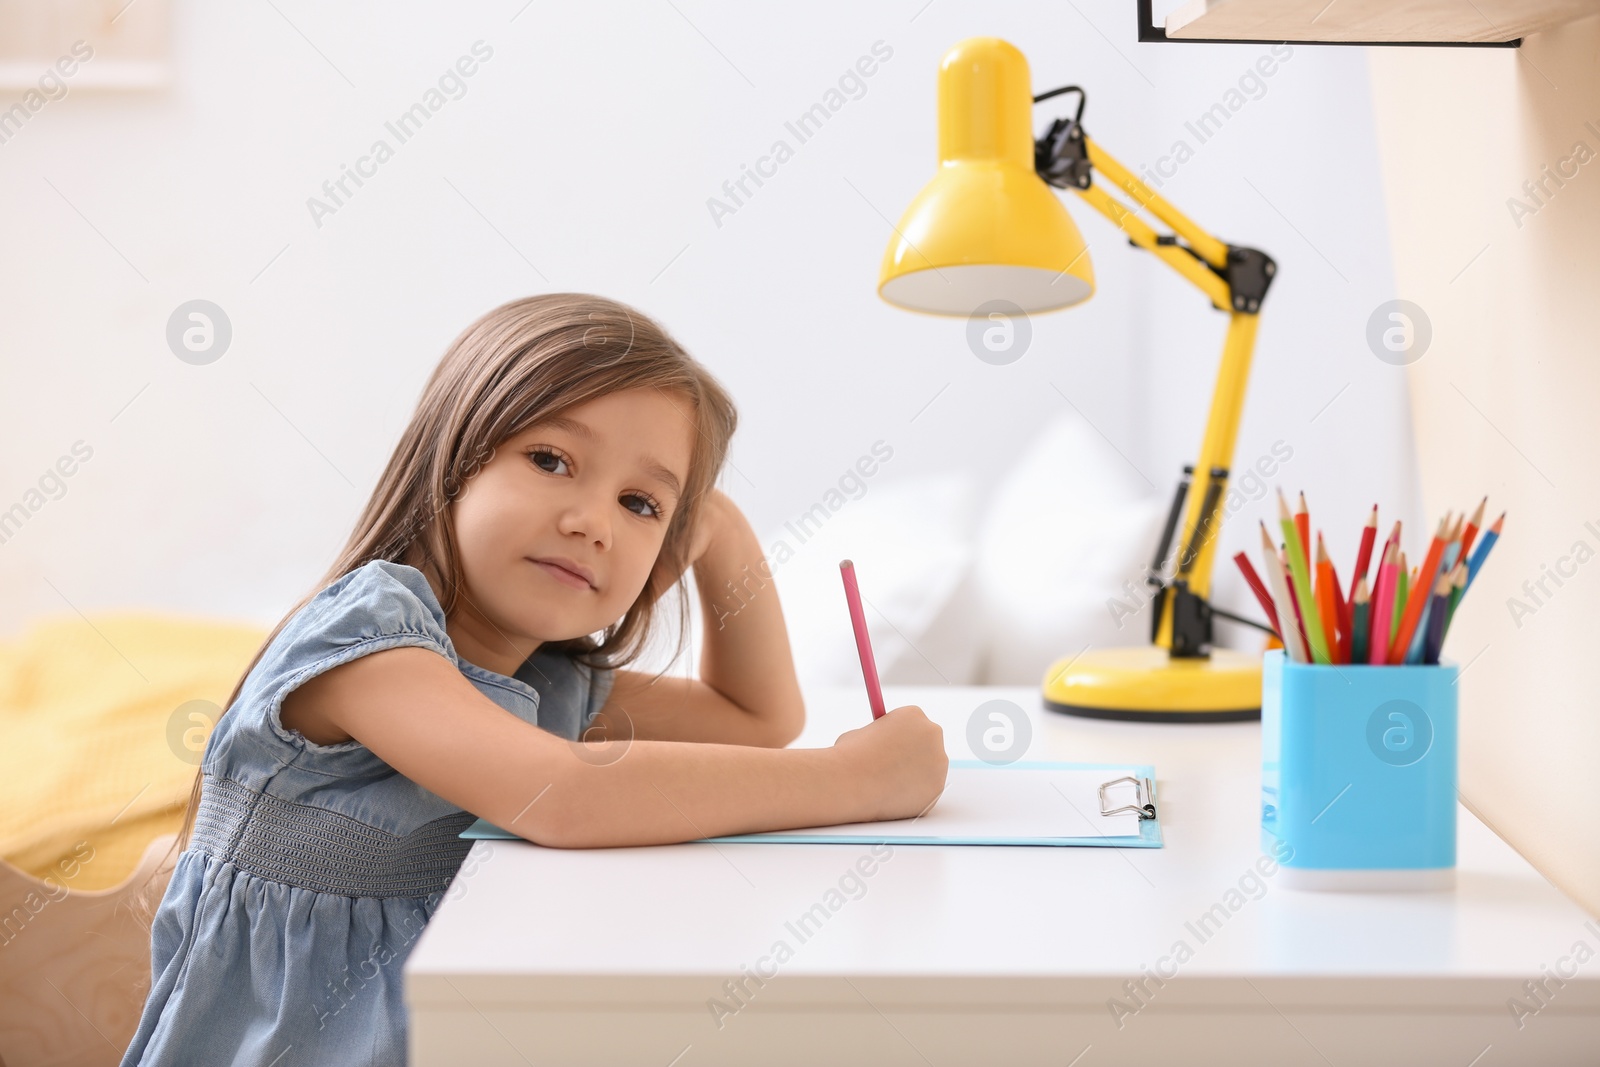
1235, 279
1207, 247
1065, 157
1164, 249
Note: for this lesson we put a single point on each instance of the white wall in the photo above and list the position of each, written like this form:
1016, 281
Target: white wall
591, 141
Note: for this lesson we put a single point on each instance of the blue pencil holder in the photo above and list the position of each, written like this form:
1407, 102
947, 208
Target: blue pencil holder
1358, 774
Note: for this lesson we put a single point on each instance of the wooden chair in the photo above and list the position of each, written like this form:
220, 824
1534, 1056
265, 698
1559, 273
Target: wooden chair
75, 965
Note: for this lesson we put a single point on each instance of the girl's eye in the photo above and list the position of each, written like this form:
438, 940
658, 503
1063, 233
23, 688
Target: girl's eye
655, 509
540, 455
552, 462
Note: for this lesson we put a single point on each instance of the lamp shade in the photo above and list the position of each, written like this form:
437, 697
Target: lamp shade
987, 227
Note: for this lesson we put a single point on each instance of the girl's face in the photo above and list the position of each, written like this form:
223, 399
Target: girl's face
590, 491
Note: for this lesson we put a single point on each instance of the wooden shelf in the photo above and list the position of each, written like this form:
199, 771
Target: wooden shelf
1426, 22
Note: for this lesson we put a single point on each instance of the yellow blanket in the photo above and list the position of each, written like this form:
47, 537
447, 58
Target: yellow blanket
102, 721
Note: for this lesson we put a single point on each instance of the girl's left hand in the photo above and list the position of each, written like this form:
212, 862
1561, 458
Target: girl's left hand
714, 517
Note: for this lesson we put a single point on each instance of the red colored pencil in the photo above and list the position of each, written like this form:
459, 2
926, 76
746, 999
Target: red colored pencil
1369, 534
1414, 604
1253, 580
1474, 524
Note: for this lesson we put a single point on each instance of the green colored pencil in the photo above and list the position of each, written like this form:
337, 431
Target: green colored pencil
1301, 575
1360, 610
1458, 585
1400, 591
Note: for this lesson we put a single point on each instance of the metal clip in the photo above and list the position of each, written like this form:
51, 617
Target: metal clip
1144, 794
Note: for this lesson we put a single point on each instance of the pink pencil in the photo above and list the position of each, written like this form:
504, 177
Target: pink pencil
1383, 607
858, 619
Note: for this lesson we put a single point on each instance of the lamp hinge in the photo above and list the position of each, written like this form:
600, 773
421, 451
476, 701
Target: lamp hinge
1191, 623
1249, 273
1061, 156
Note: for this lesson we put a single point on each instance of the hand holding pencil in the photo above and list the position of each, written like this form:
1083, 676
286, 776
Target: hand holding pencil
899, 759
1396, 617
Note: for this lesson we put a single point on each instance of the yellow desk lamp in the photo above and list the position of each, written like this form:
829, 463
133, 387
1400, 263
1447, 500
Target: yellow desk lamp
988, 227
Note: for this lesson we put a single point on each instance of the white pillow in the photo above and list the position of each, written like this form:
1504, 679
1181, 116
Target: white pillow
1071, 523
911, 543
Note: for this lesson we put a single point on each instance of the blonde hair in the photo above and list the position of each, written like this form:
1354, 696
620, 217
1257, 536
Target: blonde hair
525, 361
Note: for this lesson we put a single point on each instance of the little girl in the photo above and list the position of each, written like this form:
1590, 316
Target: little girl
461, 659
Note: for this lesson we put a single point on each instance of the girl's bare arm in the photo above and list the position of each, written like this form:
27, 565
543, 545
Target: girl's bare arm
419, 714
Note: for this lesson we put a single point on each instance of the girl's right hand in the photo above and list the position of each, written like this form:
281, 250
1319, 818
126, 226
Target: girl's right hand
895, 765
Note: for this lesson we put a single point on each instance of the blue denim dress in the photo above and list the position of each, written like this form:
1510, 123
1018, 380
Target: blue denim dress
313, 868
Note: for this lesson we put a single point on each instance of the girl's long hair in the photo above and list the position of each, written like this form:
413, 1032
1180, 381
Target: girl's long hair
524, 361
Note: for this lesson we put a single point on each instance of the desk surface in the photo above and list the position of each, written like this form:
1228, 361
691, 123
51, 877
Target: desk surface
531, 939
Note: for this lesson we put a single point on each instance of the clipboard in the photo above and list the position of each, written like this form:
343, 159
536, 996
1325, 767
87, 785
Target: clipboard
1042, 803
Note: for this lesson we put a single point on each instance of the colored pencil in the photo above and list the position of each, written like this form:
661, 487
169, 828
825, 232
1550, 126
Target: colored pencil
1473, 525
1392, 613
1327, 608
1402, 581
1299, 571
1419, 638
1341, 604
1437, 609
858, 621
1458, 585
1402, 587
1425, 579
1291, 633
1417, 653
1382, 607
1377, 573
1415, 650
1394, 539
1369, 534
1253, 580
1490, 536
1391, 539
1293, 643
1360, 611
1294, 605
1302, 526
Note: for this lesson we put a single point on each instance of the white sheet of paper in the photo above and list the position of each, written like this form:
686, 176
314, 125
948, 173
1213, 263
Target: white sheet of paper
1011, 802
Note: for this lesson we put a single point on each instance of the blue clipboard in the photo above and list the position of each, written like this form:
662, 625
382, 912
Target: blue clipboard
1142, 793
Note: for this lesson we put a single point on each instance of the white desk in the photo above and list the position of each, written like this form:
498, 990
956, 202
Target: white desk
995, 955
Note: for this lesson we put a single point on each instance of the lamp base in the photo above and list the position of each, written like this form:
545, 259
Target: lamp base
1147, 684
